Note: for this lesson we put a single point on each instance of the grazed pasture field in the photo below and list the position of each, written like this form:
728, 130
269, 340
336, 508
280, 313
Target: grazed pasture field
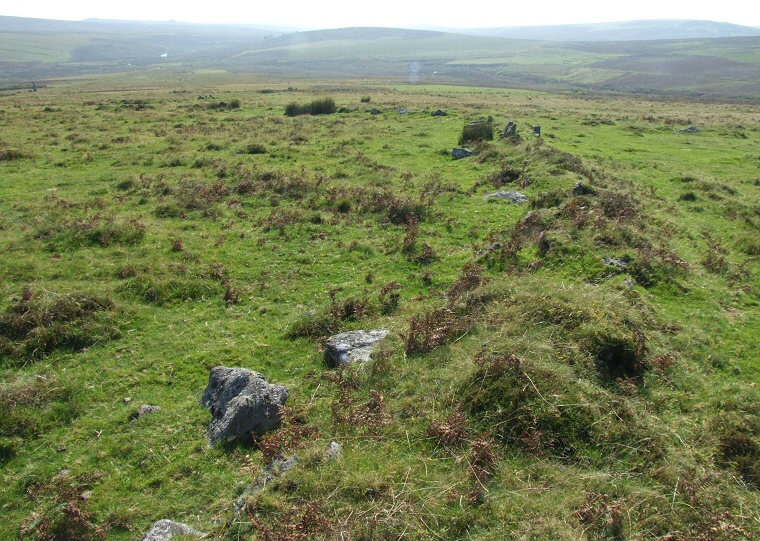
580, 366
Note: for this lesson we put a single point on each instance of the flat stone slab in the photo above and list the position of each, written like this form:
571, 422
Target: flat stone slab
615, 262
353, 346
460, 153
164, 530
515, 197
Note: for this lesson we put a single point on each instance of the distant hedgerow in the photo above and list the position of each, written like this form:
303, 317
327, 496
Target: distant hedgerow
324, 106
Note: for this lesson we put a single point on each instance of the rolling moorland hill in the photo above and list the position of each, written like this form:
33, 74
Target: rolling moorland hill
623, 31
703, 67
573, 320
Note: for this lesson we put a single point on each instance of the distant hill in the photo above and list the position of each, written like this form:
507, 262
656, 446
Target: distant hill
704, 67
620, 31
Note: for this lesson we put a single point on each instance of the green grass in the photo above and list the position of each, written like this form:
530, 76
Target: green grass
527, 390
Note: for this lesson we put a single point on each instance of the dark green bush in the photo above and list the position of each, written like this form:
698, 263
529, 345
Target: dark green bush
506, 394
254, 148
331, 321
619, 352
324, 106
9, 155
476, 131
167, 290
550, 199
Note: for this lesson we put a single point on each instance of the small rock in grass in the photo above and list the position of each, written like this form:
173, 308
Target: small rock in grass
334, 451
460, 153
164, 530
515, 197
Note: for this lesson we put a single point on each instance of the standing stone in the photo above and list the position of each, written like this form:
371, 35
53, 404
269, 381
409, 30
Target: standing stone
353, 346
242, 403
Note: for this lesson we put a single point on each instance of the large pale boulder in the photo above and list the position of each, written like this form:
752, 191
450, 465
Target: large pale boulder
164, 530
353, 346
242, 403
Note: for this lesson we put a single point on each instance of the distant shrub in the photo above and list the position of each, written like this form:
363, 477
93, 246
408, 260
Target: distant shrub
324, 106
254, 148
507, 393
315, 325
30, 407
126, 184
619, 353
507, 175
738, 449
160, 291
294, 109
10, 155
343, 206
63, 513
476, 131
32, 327
222, 105
93, 231
435, 328
548, 199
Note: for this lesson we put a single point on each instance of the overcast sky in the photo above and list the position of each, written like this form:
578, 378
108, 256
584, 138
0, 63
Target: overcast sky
396, 13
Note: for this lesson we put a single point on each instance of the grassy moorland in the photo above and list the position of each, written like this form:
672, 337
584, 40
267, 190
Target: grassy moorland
580, 366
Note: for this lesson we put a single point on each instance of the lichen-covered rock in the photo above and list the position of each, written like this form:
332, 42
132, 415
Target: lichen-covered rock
515, 197
242, 403
460, 153
334, 451
353, 346
164, 530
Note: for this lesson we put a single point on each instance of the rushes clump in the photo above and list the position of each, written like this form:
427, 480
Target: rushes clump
323, 106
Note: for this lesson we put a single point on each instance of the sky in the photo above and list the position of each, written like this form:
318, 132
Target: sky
318, 14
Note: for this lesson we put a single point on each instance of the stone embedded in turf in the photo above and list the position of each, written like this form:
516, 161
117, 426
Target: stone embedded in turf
242, 403
460, 153
164, 530
515, 197
353, 346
